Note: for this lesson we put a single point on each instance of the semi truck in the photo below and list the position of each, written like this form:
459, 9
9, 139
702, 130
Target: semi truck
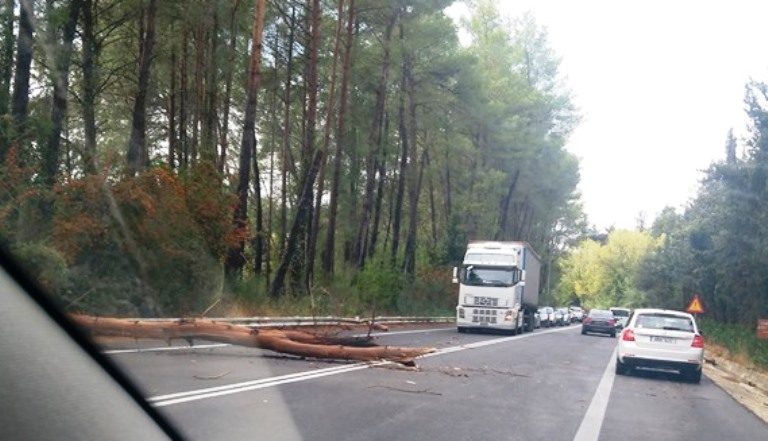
498, 287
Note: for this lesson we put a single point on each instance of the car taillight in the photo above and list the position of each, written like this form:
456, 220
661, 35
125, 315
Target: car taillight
588, 320
628, 335
698, 342
612, 322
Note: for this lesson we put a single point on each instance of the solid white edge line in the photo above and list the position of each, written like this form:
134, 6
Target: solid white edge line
251, 382
589, 429
199, 394
261, 386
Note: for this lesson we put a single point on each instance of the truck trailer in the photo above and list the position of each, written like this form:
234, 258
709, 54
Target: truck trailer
498, 287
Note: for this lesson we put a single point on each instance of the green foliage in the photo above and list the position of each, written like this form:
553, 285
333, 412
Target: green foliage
604, 275
739, 339
487, 125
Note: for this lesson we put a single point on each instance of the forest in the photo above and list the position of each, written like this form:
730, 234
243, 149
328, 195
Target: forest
235, 156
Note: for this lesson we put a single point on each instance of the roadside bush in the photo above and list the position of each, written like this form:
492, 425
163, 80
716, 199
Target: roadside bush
738, 339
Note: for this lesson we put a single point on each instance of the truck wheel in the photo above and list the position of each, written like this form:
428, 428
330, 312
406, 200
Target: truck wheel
462, 330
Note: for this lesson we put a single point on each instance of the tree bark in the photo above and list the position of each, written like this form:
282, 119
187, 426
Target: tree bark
292, 342
60, 65
329, 251
374, 141
235, 258
138, 156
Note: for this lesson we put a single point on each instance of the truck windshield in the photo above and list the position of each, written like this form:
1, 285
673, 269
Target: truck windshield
489, 276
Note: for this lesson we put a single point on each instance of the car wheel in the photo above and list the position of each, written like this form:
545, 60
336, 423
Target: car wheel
692, 376
621, 368
613, 335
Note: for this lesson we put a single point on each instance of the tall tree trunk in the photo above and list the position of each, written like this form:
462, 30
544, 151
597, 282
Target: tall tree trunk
381, 168
198, 92
24, 46
415, 185
329, 123
6, 55
304, 208
89, 84
504, 206
258, 237
235, 258
341, 137
286, 135
184, 108
374, 141
432, 211
60, 63
208, 152
230, 69
172, 114
404, 153
184, 99
137, 145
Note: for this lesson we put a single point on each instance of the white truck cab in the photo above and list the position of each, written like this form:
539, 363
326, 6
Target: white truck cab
498, 287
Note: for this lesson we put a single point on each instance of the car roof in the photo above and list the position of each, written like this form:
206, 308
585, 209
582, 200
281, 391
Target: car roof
613, 308
662, 311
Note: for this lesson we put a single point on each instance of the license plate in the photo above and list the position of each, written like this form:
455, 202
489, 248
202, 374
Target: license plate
662, 339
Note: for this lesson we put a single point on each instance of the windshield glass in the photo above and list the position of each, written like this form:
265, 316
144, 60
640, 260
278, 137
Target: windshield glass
489, 276
665, 322
233, 196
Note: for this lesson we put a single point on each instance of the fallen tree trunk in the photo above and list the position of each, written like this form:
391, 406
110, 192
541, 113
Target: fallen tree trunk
300, 343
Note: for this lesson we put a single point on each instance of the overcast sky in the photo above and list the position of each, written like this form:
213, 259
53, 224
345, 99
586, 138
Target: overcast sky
658, 83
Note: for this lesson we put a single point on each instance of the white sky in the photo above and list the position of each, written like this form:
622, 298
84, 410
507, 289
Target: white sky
658, 83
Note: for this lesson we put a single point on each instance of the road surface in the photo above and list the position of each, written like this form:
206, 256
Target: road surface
553, 384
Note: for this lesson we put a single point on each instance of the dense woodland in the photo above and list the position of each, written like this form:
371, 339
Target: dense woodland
716, 247
161, 156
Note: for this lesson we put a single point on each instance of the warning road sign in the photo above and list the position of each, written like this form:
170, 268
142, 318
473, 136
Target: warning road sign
695, 307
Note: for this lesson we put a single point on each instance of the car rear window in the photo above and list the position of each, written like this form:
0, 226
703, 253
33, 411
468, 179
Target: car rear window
664, 321
620, 313
600, 314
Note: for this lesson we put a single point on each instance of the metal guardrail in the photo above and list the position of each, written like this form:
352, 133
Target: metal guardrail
264, 322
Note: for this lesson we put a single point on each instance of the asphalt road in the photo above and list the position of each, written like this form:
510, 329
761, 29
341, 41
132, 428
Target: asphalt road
553, 384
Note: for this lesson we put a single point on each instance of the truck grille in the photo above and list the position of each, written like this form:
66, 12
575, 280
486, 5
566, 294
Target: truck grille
486, 301
483, 316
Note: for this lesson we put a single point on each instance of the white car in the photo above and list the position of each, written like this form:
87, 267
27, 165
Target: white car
577, 314
661, 339
547, 315
621, 315
562, 317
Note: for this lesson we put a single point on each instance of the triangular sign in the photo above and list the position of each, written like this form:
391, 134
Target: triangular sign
695, 307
